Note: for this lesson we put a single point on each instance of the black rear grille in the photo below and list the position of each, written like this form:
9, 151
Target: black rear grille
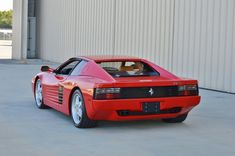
134, 113
149, 92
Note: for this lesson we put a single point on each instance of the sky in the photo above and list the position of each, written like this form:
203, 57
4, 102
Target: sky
6, 5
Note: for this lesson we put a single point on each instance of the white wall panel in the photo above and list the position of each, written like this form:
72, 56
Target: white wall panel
145, 29
192, 38
74, 27
231, 41
17, 29
203, 45
56, 29
19, 39
94, 27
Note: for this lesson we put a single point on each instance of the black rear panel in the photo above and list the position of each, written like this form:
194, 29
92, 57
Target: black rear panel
148, 92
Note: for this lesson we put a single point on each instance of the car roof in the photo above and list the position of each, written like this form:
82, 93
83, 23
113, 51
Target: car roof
101, 58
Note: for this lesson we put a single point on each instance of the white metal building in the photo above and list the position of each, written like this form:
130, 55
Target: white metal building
191, 38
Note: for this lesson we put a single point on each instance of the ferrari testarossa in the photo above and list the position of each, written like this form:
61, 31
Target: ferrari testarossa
115, 88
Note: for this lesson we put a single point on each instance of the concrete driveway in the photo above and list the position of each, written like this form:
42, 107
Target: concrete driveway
26, 130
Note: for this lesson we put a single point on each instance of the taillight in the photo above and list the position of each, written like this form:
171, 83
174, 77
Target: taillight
106, 93
188, 90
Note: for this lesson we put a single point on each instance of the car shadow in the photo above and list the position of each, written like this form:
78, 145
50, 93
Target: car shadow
134, 124
138, 124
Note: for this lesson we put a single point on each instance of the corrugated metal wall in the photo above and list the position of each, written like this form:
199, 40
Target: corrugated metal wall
56, 29
145, 29
94, 27
75, 27
192, 38
204, 42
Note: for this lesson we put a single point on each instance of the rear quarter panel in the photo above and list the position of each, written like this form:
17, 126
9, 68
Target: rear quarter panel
86, 85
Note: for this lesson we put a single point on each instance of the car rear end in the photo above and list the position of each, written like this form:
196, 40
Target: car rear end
141, 90
146, 100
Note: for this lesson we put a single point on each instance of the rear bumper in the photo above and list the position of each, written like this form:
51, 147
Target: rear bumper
108, 109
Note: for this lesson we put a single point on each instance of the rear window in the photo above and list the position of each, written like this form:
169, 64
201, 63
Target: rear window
128, 69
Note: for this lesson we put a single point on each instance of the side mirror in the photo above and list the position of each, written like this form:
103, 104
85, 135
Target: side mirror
46, 69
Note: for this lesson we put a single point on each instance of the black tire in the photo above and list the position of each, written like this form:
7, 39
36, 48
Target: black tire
178, 119
40, 104
84, 122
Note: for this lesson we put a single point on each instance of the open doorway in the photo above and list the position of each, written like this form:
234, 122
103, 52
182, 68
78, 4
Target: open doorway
31, 34
6, 7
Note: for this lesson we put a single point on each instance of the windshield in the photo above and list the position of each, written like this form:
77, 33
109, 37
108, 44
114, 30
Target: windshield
128, 69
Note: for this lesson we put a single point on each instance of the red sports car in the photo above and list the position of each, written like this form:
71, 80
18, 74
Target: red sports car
114, 88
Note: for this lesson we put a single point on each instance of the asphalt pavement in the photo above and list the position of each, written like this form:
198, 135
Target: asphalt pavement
26, 130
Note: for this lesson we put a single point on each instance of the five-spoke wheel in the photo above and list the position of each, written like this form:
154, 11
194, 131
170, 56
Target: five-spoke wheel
78, 111
38, 94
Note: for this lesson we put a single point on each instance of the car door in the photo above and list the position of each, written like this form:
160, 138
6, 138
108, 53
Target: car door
54, 85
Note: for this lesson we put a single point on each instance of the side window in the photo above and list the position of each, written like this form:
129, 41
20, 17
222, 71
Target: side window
67, 68
77, 70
